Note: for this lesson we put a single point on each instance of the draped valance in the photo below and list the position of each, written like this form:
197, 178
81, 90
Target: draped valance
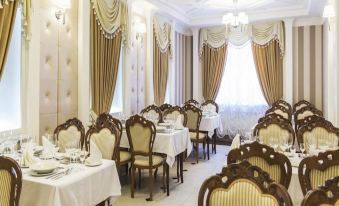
259, 34
112, 16
162, 33
26, 6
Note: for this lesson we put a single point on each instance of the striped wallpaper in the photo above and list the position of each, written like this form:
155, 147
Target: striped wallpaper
308, 64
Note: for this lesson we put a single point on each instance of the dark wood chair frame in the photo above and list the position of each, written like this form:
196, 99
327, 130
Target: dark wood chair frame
301, 102
256, 149
198, 140
165, 107
155, 108
192, 101
12, 167
321, 162
283, 103
327, 194
303, 110
137, 119
310, 126
283, 125
243, 170
72, 122
282, 108
273, 116
214, 137
307, 120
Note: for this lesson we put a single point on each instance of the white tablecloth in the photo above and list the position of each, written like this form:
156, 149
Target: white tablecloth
294, 189
170, 144
210, 123
85, 186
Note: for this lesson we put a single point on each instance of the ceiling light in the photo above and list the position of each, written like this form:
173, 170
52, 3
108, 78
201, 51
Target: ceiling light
328, 11
236, 18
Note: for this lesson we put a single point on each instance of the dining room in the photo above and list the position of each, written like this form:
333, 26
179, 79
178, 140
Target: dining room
169, 102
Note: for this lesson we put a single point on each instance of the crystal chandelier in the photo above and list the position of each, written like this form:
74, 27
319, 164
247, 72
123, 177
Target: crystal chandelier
235, 18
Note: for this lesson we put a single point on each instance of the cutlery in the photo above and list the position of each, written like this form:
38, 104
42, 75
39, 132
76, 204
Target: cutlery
56, 174
67, 172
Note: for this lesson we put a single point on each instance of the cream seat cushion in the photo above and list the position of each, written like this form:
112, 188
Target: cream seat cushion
241, 192
144, 160
105, 142
5, 187
125, 156
193, 135
69, 138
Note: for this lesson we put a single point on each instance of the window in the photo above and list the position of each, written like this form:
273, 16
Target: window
240, 97
117, 104
10, 83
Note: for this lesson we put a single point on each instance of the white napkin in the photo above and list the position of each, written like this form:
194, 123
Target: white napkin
28, 158
93, 115
178, 123
236, 142
95, 154
48, 148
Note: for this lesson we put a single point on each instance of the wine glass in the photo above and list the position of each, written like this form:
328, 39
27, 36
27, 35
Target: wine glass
293, 149
83, 155
302, 148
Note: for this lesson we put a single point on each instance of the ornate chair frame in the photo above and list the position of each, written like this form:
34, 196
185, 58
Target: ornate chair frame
308, 120
320, 162
273, 116
137, 119
165, 107
256, 149
178, 109
310, 126
324, 195
300, 103
281, 108
284, 104
193, 102
155, 108
12, 167
72, 122
246, 171
211, 102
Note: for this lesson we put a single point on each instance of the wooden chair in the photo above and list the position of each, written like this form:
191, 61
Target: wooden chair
277, 165
10, 182
318, 133
314, 171
278, 109
276, 129
323, 195
301, 104
305, 112
242, 184
153, 110
273, 116
193, 102
211, 104
194, 116
307, 120
174, 112
71, 133
284, 104
141, 135
165, 107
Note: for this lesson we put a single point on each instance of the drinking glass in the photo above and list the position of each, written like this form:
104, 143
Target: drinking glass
293, 150
302, 148
83, 155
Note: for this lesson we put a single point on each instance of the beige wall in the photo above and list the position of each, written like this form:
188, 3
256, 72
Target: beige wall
308, 64
58, 66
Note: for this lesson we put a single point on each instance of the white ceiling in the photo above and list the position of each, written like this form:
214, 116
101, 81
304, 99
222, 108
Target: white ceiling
210, 12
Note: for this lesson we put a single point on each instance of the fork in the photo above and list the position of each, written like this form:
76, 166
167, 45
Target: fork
67, 172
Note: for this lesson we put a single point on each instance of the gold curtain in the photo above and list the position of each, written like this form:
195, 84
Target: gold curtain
105, 56
160, 72
269, 63
7, 20
213, 66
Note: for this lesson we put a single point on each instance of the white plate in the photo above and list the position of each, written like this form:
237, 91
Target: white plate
44, 166
93, 164
37, 174
165, 124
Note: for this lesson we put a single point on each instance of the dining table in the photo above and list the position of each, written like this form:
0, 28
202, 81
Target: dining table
209, 123
83, 186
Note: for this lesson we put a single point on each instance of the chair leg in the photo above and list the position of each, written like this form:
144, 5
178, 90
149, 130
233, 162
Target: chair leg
197, 152
132, 181
203, 147
155, 174
208, 148
139, 183
150, 185
182, 166
178, 157
126, 169
163, 178
167, 178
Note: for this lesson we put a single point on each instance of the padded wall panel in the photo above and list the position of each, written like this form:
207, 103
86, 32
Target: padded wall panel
48, 123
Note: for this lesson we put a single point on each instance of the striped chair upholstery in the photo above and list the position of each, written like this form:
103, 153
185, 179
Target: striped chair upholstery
313, 171
242, 184
10, 182
275, 164
324, 195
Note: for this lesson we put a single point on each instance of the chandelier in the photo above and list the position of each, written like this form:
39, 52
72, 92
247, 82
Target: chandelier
235, 18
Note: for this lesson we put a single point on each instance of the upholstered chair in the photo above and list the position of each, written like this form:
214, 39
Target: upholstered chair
284, 104
320, 134
70, 134
323, 195
303, 113
273, 116
299, 105
165, 107
194, 116
192, 102
274, 163
314, 171
273, 128
10, 182
141, 134
242, 184
309, 119
278, 109
154, 111
174, 112
210, 104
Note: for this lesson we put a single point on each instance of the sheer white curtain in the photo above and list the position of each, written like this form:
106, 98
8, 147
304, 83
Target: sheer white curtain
240, 98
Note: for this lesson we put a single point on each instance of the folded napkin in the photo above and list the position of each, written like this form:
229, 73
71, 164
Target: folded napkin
95, 154
236, 142
49, 148
178, 123
93, 115
28, 158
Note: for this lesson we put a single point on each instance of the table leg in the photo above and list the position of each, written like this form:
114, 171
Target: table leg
181, 157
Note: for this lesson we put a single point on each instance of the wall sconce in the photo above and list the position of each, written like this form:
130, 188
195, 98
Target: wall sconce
140, 29
63, 5
329, 14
